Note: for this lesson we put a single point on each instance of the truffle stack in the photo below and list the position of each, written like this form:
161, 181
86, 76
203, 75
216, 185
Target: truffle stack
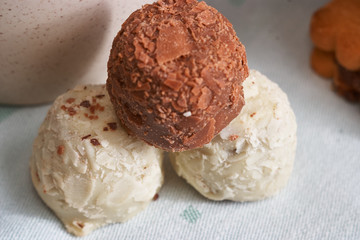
175, 77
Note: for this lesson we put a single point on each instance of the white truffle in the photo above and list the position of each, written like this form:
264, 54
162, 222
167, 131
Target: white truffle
252, 158
86, 168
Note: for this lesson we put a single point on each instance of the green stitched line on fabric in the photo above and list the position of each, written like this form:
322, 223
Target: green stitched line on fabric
6, 111
191, 214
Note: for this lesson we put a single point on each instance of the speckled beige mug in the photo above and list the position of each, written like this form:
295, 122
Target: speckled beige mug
47, 47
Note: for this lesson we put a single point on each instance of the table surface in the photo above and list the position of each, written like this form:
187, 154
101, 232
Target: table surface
321, 201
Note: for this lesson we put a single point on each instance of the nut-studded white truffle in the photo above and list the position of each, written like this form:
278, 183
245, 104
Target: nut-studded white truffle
252, 158
86, 168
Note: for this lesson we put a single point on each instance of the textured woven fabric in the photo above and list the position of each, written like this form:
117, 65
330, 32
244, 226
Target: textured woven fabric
321, 200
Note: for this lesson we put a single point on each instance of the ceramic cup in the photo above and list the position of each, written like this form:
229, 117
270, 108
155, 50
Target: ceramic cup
48, 46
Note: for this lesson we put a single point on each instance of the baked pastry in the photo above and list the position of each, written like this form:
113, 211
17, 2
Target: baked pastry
336, 28
252, 158
335, 32
345, 82
323, 63
175, 74
86, 168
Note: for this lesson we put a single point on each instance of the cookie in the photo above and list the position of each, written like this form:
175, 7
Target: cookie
336, 28
323, 63
347, 83
335, 32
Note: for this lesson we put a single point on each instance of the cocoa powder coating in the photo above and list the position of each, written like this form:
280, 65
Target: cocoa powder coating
175, 74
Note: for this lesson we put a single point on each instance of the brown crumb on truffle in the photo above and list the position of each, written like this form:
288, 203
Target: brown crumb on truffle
95, 142
112, 125
37, 176
85, 137
100, 96
156, 197
71, 111
81, 225
60, 149
70, 100
91, 117
233, 137
85, 104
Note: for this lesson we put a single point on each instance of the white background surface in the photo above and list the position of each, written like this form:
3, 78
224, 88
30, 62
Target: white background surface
321, 201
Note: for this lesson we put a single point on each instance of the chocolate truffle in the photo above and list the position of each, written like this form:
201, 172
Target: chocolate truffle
175, 74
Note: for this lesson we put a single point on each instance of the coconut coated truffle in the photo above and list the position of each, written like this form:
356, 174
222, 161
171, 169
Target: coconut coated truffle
175, 74
253, 157
86, 167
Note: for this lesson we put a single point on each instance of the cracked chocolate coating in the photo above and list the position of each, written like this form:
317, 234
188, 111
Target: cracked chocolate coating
175, 74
